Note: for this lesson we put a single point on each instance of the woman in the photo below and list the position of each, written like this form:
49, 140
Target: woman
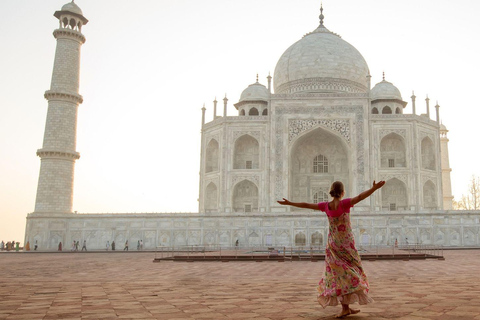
344, 280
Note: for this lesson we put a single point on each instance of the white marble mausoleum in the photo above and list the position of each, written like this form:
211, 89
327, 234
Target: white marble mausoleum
322, 120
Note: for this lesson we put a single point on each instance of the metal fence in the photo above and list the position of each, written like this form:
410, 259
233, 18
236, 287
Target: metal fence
297, 253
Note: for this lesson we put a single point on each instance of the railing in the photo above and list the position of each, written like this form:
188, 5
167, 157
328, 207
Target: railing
292, 253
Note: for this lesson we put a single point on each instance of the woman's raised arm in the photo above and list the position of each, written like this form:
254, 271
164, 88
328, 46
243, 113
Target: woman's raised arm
303, 205
367, 193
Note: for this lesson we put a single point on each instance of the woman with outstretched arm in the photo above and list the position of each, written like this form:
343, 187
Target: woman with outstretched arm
344, 281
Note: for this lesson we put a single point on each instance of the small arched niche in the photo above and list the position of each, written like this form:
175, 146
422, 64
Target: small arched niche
212, 155
387, 110
392, 151
394, 195
246, 153
245, 197
428, 154
211, 198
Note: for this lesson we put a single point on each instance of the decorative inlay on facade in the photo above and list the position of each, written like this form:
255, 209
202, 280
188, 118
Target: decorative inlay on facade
401, 177
295, 127
321, 112
63, 96
400, 132
328, 84
432, 178
255, 134
254, 178
424, 134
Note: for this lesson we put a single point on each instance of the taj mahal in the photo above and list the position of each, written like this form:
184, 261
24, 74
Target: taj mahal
321, 120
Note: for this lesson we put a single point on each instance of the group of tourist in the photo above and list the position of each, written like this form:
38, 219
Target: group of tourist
10, 245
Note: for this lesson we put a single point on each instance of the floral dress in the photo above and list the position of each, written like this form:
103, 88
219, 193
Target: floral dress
344, 280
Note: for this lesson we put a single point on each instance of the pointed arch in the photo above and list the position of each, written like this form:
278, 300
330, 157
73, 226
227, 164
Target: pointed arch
300, 239
392, 151
317, 149
246, 153
242, 112
245, 197
265, 112
398, 110
374, 110
387, 110
394, 195
429, 195
211, 197
316, 239
428, 154
212, 155
253, 112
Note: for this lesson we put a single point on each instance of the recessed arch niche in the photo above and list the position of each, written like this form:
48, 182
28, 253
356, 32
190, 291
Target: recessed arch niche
245, 197
429, 195
246, 154
428, 154
392, 151
212, 156
304, 180
211, 197
394, 195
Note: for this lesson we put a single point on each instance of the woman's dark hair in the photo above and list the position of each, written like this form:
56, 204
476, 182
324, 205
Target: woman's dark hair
336, 189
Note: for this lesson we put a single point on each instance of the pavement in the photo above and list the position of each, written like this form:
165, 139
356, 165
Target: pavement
118, 285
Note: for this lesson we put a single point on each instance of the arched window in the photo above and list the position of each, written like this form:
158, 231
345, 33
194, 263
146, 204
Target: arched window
242, 112
374, 110
211, 198
392, 151
428, 154
245, 197
398, 110
211, 161
265, 112
386, 110
253, 112
246, 153
320, 196
320, 164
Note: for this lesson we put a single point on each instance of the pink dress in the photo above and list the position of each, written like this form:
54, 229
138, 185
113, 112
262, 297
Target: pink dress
344, 280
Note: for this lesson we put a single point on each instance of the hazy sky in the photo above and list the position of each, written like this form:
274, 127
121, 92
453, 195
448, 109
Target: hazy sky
147, 68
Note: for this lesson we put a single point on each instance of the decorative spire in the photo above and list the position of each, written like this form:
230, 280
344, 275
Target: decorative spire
383, 75
321, 16
257, 77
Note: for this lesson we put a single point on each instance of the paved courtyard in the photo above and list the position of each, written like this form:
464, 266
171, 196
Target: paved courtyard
130, 286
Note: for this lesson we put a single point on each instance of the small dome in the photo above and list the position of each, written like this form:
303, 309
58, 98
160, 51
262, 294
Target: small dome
443, 127
385, 90
255, 92
72, 7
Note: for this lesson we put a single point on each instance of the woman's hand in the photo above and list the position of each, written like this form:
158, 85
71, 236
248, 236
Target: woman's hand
378, 185
285, 202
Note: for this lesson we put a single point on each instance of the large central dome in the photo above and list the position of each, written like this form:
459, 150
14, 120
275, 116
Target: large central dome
321, 62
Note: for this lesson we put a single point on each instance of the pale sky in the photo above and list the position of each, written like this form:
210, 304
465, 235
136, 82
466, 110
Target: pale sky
148, 67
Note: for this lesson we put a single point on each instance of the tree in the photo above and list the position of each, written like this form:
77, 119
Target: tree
471, 201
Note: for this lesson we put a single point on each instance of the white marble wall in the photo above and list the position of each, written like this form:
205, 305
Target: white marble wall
446, 228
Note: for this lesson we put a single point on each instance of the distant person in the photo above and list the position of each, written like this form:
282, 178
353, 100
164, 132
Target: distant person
138, 245
2, 245
107, 245
236, 243
406, 241
60, 246
73, 245
77, 243
344, 281
27, 246
396, 243
126, 246
141, 244
84, 245
17, 246
113, 245
36, 246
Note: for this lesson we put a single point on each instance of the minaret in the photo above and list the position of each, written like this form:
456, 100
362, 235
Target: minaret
445, 163
413, 103
225, 100
427, 100
58, 154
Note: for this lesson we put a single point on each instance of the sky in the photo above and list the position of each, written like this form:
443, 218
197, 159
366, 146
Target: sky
148, 67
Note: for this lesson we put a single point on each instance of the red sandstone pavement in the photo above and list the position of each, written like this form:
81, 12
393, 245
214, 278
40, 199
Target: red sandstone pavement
117, 285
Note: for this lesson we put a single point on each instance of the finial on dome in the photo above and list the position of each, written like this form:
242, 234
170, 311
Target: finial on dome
257, 77
383, 75
321, 16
